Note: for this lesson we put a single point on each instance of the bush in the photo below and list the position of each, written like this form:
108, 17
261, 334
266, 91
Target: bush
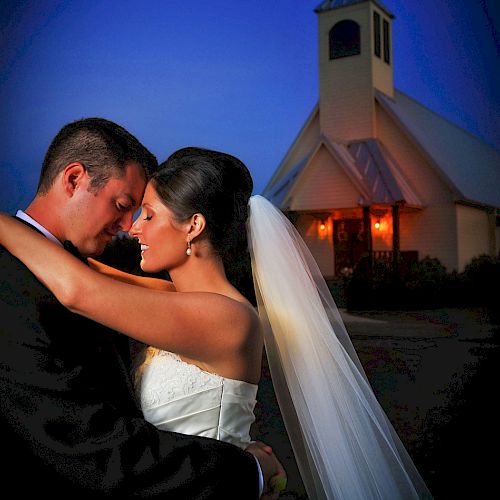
373, 285
359, 286
481, 278
425, 284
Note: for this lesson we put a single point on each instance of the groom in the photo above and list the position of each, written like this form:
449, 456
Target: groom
69, 423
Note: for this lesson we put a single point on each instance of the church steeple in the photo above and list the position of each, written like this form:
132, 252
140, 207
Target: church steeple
355, 58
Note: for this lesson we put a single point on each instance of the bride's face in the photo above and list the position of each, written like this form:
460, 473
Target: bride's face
163, 240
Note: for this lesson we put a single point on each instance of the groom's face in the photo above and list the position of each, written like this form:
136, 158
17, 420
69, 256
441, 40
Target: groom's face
93, 218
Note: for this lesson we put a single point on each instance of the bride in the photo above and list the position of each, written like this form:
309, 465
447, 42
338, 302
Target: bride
201, 372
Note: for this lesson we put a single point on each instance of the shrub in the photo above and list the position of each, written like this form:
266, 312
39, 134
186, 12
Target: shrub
481, 278
359, 286
425, 282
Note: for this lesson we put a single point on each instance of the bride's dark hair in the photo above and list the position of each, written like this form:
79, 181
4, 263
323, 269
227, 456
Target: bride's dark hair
217, 185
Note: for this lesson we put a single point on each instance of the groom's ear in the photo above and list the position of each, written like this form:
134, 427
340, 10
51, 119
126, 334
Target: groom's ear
198, 224
74, 176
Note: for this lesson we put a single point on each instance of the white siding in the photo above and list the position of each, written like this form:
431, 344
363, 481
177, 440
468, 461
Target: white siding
321, 248
382, 237
473, 234
421, 175
324, 185
432, 232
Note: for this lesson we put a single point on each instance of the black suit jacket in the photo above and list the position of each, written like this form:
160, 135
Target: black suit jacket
69, 423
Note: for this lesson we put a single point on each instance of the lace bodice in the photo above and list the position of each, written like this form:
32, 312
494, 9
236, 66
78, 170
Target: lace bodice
180, 397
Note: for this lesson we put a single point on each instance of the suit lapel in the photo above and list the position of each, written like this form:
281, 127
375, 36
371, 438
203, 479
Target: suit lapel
114, 344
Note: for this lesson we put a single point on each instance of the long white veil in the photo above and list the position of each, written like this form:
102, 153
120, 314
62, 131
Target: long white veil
343, 442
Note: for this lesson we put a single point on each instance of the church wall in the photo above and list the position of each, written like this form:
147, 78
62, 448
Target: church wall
382, 237
321, 247
415, 167
473, 234
433, 230
324, 185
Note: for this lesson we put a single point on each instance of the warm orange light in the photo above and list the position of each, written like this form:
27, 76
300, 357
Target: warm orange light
322, 226
377, 225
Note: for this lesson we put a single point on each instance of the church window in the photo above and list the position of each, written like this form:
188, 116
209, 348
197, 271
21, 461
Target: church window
345, 39
387, 47
376, 33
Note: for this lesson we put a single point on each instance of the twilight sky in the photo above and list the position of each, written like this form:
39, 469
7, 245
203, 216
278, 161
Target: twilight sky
237, 76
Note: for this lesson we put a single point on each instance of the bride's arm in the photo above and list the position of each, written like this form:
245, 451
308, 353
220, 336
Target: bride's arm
132, 279
190, 324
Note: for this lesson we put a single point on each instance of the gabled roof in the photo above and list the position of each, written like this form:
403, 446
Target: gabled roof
469, 166
381, 174
278, 194
309, 129
336, 4
366, 163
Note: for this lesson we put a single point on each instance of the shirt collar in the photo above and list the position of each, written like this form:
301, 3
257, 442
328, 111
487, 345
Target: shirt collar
24, 216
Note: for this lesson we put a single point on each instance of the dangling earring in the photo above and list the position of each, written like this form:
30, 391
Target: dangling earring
189, 251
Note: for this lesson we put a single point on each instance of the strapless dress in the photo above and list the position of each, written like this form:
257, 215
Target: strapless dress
180, 397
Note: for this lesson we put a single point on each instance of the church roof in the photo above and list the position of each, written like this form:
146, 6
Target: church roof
381, 174
366, 163
278, 193
470, 166
336, 4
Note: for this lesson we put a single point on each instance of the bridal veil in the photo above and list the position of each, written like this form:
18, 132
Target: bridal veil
343, 442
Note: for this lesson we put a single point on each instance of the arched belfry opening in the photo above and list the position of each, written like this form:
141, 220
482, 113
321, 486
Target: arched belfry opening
345, 39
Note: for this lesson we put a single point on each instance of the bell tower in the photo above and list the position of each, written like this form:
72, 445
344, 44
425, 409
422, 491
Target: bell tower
355, 58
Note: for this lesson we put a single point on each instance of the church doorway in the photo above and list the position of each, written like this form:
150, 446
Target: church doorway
348, 244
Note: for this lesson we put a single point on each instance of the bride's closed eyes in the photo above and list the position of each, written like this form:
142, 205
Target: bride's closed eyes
146, 213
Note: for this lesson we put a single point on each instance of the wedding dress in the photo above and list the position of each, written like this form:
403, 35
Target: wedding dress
181, 397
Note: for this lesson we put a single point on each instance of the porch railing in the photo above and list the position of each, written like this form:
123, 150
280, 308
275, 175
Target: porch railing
406, 257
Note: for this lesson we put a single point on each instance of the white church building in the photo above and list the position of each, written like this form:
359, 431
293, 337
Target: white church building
373, 170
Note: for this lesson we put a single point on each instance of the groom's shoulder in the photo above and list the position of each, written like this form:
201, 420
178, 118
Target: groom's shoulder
14, 272
10, 265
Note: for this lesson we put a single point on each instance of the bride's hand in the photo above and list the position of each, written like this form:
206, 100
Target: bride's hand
272, 470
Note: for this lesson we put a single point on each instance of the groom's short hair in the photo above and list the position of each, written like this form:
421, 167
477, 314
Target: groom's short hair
104, 148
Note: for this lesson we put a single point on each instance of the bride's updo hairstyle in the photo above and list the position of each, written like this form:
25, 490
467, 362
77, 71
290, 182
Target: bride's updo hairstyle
196, 180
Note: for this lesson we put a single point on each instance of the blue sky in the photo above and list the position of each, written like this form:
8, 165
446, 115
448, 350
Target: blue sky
236, 76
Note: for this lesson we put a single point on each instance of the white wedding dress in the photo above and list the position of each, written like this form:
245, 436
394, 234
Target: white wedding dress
181, 397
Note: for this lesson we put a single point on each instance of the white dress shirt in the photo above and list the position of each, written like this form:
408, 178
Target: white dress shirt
24, 216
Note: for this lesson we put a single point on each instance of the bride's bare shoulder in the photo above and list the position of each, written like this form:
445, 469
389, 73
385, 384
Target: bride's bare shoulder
235, 315
237, 333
